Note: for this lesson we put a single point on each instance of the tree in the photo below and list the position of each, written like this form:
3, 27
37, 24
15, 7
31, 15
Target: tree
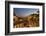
14, 14
38, 11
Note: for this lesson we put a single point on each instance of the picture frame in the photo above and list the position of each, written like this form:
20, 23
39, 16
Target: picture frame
20, 5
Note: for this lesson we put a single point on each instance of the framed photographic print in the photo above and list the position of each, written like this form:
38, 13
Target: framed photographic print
24, 17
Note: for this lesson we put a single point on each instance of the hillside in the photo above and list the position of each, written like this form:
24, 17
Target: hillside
28, 21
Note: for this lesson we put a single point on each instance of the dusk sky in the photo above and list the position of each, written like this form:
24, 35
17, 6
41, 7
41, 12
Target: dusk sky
22, 12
